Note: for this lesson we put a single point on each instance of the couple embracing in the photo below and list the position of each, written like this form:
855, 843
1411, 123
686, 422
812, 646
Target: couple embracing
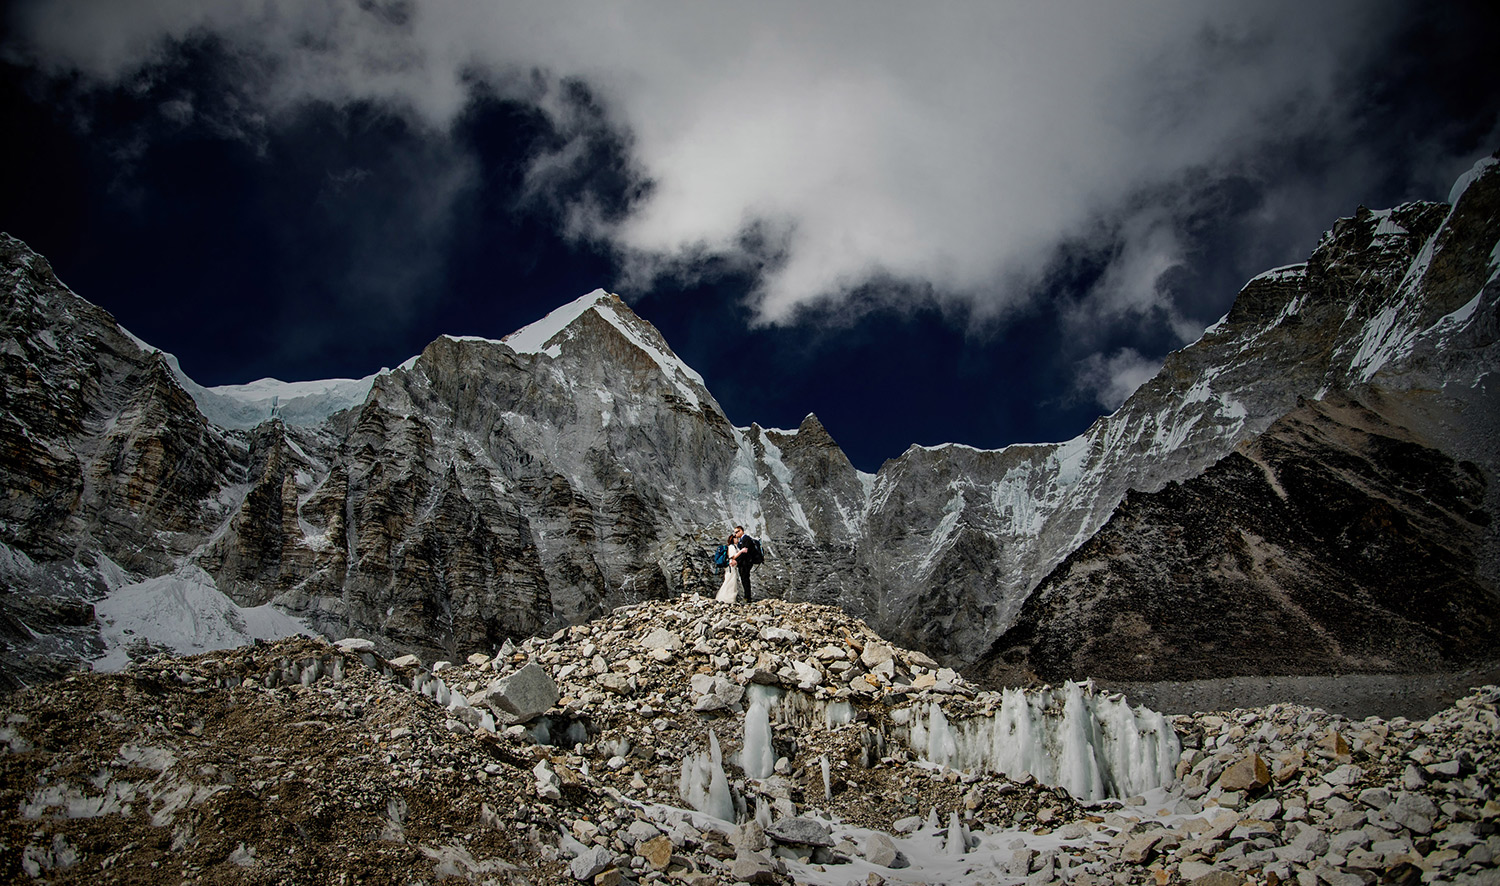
743, 552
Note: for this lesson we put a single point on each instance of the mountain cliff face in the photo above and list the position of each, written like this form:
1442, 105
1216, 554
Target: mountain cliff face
490, 489
1334, 539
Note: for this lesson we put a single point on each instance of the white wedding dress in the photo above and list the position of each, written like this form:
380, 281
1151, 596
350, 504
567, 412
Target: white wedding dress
729, 591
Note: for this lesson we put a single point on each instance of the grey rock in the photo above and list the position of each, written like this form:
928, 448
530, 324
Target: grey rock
1311, 840
619, 684
590, 863
879, 849
1341, 842
1335, 877
1413, 778
749, 836
1446, 769
801, 830
1141, 849
1345, 775
520, 697
752, 867
1418, 803
1293, 855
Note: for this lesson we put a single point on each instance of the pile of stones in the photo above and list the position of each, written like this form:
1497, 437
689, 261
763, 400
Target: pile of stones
559, 760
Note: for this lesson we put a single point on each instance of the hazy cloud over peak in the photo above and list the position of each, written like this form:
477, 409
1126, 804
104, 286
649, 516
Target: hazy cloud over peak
954, 146
1111, 380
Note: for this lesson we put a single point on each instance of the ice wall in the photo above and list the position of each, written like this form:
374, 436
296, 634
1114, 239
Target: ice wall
798, 708
757, 758
703, 783
1094, 745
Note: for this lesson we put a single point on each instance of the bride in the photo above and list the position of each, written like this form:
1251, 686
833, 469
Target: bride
729, 591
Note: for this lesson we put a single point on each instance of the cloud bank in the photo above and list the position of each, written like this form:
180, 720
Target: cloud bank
954, 149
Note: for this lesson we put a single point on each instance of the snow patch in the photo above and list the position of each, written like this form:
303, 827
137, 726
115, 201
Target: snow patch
1275, 274
779, 470
185, 612
1070, 458
1388, 226
1379, 343
1215, 327
303, 403
952, 512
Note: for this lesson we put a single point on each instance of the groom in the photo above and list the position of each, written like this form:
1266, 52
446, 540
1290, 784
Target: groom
742, 558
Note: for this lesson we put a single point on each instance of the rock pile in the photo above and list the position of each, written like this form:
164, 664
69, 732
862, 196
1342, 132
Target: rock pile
561, 760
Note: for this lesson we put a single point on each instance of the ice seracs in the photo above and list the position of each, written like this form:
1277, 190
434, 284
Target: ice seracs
1093, 744
704, 784
757, 758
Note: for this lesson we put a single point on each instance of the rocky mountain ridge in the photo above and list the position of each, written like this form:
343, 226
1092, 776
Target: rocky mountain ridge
491, 490
1334, 538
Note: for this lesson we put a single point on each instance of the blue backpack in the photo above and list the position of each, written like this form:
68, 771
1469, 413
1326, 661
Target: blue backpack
721, 556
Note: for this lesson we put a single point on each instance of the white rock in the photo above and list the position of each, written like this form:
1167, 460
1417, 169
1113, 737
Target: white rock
661, 638
781, 635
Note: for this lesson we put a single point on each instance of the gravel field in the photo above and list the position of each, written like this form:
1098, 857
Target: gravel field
1356, 696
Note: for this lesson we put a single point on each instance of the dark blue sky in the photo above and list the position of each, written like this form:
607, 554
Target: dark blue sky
256, 229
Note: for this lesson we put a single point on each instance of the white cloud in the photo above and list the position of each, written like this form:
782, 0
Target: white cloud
1111, 380
954, 144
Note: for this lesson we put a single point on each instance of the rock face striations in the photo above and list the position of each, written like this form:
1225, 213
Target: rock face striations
492, 489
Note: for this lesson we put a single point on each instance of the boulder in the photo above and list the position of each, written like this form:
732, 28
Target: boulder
1139, 850
752, 867
657, 852
876, 654
801, 830
881, 850
749, 836
1249, 773
520, 697
590, 863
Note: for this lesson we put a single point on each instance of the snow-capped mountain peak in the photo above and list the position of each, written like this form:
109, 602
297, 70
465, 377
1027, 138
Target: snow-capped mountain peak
551, 334
541, 336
